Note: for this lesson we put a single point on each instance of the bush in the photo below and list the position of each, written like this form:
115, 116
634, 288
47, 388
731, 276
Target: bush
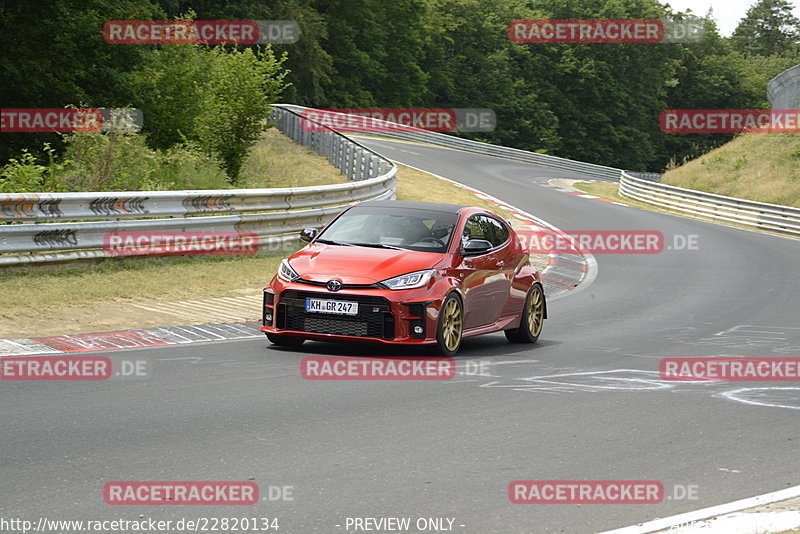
185, 166
27, 175
114, 162
214, 97
242, 87
109, 162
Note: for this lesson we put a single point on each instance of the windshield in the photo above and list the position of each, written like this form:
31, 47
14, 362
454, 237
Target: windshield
382, 227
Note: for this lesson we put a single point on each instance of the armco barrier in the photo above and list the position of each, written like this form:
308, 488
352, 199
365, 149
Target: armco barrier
467, 145
758, 215
784, 93
784, 89
45, 233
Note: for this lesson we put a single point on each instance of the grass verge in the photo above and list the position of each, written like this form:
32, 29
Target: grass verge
277, 161
760, 167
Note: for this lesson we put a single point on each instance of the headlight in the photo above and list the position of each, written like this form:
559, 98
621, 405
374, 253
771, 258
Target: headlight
410, 280
285, 272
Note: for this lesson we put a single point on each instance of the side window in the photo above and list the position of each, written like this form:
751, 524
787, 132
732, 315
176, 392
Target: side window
488, 228
499, 231
474, 229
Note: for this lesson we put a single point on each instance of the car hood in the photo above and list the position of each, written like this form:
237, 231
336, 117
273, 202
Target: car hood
359, 265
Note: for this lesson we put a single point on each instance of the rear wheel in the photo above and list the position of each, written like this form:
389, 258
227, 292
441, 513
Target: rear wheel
285, 341
451, 325
530, 326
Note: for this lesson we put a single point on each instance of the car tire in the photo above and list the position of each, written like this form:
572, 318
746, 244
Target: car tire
285, 341
450, 327
533, 316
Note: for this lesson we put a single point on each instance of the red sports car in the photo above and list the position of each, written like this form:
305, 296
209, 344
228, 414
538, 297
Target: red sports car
414, 273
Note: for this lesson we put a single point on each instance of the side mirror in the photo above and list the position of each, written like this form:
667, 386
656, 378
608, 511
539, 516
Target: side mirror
308, 234
476, 247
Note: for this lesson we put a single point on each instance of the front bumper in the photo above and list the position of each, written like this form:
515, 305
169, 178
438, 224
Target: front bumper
384, 316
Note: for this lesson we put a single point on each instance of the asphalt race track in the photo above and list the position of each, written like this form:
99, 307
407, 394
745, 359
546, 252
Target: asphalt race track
586, 403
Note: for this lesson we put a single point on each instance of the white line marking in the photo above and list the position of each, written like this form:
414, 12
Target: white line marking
706, 513
735, 395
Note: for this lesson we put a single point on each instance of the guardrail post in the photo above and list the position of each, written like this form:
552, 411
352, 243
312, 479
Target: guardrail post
289, 125
329, 146
348, 161
337, 153
373, 164
359, 161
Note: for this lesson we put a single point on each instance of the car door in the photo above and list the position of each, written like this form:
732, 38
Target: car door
508, 258
486, 282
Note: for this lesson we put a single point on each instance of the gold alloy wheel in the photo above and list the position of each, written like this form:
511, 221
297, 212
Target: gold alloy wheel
452, 323
536, 311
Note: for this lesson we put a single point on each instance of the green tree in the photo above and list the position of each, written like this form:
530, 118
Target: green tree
607, 97
375, 46
308, 63
216, 97
171, 88
53, 55
769, 28
243, 85
473, 64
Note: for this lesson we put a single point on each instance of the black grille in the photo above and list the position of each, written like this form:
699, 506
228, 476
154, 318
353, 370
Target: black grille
374, 317
326, 325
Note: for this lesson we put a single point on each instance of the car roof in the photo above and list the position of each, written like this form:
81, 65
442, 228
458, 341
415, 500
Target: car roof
412, 205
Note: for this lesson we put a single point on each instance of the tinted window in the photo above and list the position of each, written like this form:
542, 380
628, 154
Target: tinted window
488, 228
499, 233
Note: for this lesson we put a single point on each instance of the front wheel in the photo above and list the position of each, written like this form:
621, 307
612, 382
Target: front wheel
530, 326
285, 341
451, 325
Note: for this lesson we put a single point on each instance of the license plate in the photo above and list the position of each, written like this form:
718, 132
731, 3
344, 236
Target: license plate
336, 307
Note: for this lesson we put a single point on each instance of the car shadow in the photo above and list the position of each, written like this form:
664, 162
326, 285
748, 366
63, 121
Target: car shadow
490, 345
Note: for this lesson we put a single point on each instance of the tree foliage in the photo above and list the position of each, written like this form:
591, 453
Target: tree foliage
769, 28
598, 103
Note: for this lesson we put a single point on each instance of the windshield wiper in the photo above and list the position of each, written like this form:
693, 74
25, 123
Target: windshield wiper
376, 245
329, 242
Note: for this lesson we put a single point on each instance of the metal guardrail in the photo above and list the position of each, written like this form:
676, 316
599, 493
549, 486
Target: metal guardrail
784, 93
649, 176
46, 235
783, 90
758, 215
50, 207
415, 134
